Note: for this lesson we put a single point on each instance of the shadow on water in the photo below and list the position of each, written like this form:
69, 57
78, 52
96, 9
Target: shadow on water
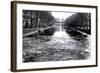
47, 32
76, 35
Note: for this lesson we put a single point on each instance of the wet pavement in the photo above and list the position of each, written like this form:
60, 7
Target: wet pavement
63, 45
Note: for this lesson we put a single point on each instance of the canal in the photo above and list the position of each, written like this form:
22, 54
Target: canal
64, 44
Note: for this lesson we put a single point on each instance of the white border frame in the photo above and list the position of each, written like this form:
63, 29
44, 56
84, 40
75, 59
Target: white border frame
90, 61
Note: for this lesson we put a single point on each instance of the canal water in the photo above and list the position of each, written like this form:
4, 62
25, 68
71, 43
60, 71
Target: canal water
65, 44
